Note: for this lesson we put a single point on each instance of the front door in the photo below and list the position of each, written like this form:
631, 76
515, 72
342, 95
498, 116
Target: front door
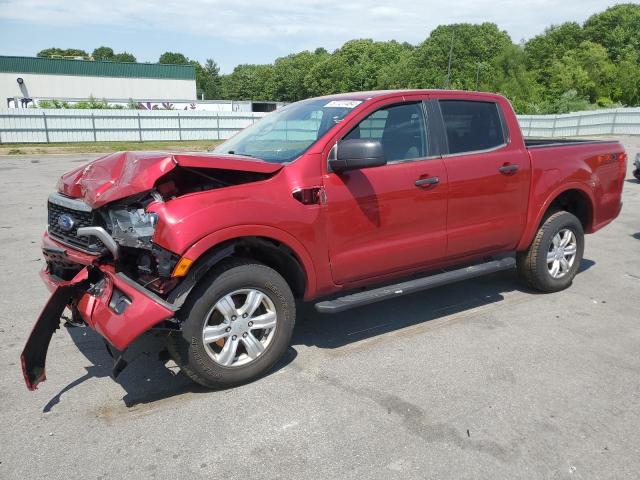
392, 218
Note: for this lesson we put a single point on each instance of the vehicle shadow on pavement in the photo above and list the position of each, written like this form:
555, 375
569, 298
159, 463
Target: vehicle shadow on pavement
149, 377
338, 330
332, 331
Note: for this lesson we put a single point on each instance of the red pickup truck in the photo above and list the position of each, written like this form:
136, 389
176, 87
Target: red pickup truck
315, 201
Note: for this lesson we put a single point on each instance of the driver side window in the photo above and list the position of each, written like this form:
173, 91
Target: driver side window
400, 129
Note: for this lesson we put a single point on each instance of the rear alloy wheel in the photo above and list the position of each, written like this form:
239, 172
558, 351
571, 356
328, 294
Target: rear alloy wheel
562, 253
235, 325
553, 258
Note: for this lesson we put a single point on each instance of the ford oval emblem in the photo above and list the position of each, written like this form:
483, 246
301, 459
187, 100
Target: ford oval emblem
66, 222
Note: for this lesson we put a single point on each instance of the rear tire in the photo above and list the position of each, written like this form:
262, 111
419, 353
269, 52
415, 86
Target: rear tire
221, 343
549, 265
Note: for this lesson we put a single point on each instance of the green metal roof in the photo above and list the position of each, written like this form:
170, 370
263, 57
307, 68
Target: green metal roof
91, 68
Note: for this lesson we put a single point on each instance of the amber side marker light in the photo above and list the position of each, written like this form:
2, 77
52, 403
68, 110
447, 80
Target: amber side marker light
182, 267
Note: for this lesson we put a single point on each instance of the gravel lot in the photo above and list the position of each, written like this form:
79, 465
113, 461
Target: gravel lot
476, 380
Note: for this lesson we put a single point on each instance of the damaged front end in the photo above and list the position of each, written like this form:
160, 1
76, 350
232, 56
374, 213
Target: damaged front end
110, 302
101, 259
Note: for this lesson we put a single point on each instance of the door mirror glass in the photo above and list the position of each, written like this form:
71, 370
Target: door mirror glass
357, 153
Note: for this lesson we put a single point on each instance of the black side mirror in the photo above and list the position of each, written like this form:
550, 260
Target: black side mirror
357, 153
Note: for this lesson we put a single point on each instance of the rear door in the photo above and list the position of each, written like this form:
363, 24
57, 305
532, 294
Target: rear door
488, 175
391, 218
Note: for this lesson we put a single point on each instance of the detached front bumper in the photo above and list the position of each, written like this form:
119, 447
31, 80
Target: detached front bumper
111, 303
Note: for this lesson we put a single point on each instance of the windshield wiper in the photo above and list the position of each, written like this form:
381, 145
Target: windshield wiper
231, 152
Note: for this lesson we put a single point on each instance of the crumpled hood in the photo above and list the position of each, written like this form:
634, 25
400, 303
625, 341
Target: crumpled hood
123, 174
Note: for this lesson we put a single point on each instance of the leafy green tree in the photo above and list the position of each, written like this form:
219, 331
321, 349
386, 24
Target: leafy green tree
471, 44
103, 53
551, 45
357, 65
626, 80
508, 75
208, 79
287, 83
211, 80
124, 57
617, 29
587, 70
173, 58
249, 82
106, 53
64, 52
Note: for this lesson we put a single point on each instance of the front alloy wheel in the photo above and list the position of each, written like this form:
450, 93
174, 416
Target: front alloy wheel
235, 324
239, 327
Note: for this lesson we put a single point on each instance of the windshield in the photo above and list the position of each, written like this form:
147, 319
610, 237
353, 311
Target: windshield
285, 134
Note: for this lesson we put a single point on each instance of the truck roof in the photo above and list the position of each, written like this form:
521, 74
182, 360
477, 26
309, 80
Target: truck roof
390, 93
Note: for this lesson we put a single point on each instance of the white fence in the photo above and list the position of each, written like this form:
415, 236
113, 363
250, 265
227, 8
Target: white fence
57, 125
618, 121
51, 125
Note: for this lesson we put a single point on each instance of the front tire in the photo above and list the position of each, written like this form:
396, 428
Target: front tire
636, 173
235, 325
553, 258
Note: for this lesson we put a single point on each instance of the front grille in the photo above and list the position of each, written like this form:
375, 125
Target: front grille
80, 219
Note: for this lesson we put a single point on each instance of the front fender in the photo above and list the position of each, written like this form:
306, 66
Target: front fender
231, 233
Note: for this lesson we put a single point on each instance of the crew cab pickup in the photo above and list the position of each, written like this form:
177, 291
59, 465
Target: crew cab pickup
315, 201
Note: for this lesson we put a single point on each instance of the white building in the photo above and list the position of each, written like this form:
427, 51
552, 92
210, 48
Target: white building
25, 80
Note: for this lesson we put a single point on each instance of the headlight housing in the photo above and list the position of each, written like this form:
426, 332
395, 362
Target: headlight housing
133, 227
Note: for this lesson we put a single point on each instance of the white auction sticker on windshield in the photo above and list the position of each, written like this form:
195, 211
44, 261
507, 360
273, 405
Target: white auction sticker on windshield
343, 104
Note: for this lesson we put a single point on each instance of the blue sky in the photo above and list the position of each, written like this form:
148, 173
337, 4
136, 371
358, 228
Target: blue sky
242, 31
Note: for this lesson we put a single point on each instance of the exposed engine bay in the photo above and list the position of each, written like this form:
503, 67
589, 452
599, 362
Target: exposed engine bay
132, 228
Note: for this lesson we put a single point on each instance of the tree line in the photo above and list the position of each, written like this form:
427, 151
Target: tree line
568, 67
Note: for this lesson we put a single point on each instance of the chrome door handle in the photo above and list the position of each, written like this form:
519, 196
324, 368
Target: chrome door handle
427, 182
508, 169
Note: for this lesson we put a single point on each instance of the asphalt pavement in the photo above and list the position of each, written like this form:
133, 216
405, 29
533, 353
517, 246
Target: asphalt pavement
481, 379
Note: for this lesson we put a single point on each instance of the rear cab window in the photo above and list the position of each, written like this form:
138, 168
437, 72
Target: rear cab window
472, 126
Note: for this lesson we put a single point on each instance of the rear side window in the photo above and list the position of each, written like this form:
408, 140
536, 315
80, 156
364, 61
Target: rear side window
472, 126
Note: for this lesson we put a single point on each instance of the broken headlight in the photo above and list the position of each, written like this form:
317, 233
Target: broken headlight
133, 227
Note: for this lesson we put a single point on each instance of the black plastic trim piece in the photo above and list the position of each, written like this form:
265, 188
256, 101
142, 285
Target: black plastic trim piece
179, 294
411, 286
146, 292
435, 127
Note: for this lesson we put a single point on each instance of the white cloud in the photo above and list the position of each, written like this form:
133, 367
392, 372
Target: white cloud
301, 23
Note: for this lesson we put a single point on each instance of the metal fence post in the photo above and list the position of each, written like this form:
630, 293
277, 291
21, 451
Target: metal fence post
179, 127
93, 126
578, 125
218, 126
613, 122
46, 127
553, 129
139, 127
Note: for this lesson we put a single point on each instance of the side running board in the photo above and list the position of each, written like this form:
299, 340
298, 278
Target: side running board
390, 291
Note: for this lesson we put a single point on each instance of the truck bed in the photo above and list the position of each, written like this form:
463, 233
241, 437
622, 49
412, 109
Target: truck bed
558, 142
